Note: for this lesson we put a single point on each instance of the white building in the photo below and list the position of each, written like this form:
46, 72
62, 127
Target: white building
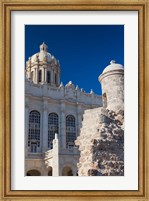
53, 116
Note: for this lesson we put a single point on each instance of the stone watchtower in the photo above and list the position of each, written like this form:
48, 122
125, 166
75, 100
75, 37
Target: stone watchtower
112, 82
101, 140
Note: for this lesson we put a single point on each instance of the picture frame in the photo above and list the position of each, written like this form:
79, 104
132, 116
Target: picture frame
5, 123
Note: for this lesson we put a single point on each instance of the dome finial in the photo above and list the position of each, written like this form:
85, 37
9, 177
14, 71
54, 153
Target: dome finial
43, 47
112, 62
91, 92
61, 85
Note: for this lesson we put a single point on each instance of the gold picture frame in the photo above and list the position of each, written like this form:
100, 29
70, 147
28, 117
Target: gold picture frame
6, 6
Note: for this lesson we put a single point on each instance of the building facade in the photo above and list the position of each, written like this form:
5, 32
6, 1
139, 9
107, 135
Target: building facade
53, 117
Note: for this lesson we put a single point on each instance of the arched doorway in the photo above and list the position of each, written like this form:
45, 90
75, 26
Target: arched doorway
50, 171
67, 171
33, 173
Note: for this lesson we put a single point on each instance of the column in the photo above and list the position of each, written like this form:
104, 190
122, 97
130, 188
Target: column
45, 75
63, 131
52, 77
37, 73
79, 119
36, 70
63, 125
34, 76
58, 79
79, 124
45, 128
29, 73
51, 72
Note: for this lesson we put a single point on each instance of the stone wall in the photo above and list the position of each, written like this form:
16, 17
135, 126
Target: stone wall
101, 143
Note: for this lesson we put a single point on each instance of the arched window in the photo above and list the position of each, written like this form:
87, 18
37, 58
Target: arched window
39, 75
33, 173
67, 171
52, 128
34, 131
48, 77
50, 171
70, 131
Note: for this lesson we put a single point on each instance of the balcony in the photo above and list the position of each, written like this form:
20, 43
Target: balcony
36, 155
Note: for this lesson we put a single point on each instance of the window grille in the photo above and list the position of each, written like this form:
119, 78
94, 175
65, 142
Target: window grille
70, 131
34, 130
52, 128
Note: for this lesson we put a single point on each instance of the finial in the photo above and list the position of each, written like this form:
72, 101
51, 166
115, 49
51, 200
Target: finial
112, 62
56, 136
91, 92
43, 47
61, 85
77, 87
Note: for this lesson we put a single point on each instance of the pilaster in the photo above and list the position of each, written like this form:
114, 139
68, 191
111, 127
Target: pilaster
36, 70
45, 75
34, 76
52, 77
63, 126
79, 119
42, 79
45, 127
29, 73
58, 78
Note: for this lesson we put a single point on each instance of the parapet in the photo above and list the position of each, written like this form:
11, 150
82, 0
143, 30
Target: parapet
69, 92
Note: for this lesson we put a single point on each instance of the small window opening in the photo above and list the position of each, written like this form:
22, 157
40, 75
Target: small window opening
104, 100
39, 76
48, 77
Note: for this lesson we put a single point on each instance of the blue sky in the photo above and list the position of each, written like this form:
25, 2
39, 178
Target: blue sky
82, 50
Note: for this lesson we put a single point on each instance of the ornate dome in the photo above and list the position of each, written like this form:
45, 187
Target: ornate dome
43, 55
43, 68
113, 66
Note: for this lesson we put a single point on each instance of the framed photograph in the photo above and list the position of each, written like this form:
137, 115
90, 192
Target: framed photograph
74, 99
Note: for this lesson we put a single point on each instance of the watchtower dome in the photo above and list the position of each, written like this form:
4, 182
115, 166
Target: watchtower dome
112, 82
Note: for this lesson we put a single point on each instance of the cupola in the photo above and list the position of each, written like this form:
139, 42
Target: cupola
43, 68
